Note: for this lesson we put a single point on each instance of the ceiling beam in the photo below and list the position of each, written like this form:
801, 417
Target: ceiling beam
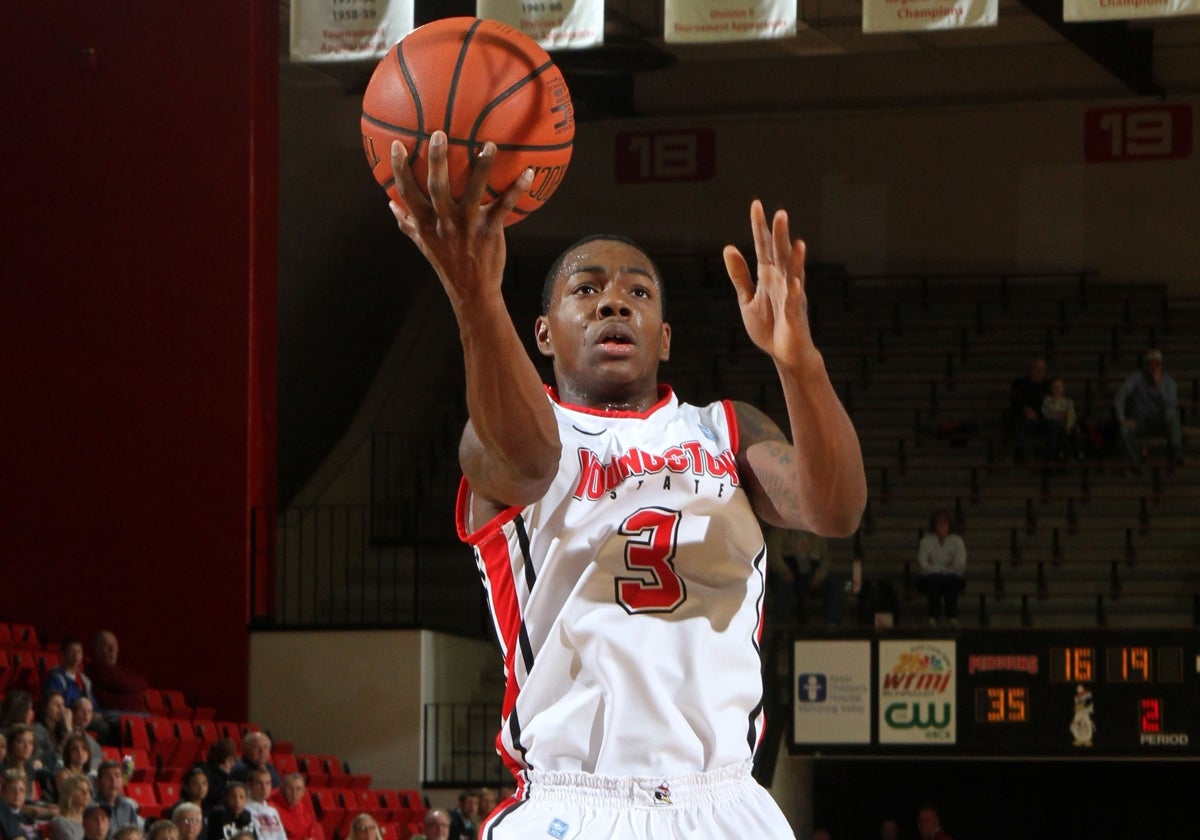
1126, 53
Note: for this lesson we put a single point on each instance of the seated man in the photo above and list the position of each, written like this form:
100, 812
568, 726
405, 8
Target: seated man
96, 822
68, 678
117, 689
110, 786
267, 823
189, 820
256, 754
295, 809
1025, 407
437, 825
1148, 403
14, 825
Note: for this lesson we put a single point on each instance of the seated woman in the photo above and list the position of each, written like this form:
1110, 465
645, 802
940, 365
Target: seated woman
941, 568
76, 761
232, 818
193, 789
75, 795
51, 727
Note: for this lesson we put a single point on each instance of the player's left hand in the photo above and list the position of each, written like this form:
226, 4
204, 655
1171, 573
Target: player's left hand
775, 308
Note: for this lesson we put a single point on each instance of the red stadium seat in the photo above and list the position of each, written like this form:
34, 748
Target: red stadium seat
134, 732
143, 794
110, 753
24, 636
285, 763
144, 768
23, 671
207, 731
177, 705
229, 729
6, 636
314, 772
360, 780
47, 660
191, 748
167, 792
329, 812
164, 743
155, 703
338, 777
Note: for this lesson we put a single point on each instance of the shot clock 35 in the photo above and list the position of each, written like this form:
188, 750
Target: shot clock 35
1017, 694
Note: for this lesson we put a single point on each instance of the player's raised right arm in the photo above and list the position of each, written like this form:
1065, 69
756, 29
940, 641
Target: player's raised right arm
510, 449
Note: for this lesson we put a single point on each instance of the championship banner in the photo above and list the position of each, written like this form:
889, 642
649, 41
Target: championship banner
703, 21
1083, 10
554, 24
347, 30
923, 15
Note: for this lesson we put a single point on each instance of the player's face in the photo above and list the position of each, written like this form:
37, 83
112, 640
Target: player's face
604, 328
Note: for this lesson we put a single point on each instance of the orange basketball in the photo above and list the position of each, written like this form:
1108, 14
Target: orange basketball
477, 80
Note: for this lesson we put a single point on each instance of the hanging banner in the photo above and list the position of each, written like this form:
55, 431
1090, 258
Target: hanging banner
702, 21
347, 30
1080, 10
554, 24
918, 15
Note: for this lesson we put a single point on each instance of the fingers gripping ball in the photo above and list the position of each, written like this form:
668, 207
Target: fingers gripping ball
477, 80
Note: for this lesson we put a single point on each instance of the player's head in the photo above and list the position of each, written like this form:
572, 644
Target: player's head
603, 323
552, 275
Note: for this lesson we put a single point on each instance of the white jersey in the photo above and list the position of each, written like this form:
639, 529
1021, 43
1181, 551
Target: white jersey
628, 600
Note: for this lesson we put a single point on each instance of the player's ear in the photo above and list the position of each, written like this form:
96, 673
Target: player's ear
664, 345
541, 332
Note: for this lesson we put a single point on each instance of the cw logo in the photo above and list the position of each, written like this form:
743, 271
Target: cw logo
902, 716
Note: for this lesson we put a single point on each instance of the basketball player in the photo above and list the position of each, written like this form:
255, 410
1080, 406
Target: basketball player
615, 527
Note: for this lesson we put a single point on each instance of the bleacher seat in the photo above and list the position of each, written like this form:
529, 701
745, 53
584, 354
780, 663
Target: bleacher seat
338, 777
230, 729
285, 763
24, 636
314, 771
329, 812
143, 794
47, 660
167, 792
207, 731
155, 704
164, 743
189, 749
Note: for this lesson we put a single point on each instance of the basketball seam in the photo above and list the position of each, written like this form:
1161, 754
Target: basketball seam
498, 99
411, 84
458, 66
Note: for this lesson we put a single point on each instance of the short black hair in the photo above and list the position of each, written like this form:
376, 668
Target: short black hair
552, 274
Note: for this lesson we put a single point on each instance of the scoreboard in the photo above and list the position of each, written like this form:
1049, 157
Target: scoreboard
1020, 694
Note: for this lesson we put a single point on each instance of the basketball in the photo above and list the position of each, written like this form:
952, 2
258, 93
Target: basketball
477, 80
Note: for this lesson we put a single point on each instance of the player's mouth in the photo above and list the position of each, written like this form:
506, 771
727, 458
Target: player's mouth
616, 340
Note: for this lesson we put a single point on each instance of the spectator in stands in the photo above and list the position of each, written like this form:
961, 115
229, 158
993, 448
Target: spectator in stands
110, 787
162, 830
267, 823
889, 829
464, 820
84, 719
75, 794
129, 832
68, 678
295, 809
929, 826
821, 834
97, 822
941, 568
256, 754
76, 761
14, 824
1059, 411
22, 751
805, 560
1147, 403
1025, 407
222, 756
189, 819
50, 730
231, 818
364, 827
17, 708
487, 802
117, 688
193, 789
437, 825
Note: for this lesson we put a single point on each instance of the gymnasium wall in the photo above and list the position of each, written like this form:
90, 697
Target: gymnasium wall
138, 319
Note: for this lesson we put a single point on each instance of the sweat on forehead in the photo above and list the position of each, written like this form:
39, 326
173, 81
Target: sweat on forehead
553, 275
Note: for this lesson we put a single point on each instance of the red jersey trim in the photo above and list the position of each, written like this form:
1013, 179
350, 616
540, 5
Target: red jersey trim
664, 396
731, 421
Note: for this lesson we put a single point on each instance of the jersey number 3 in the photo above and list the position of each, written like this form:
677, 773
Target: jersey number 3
650, 550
